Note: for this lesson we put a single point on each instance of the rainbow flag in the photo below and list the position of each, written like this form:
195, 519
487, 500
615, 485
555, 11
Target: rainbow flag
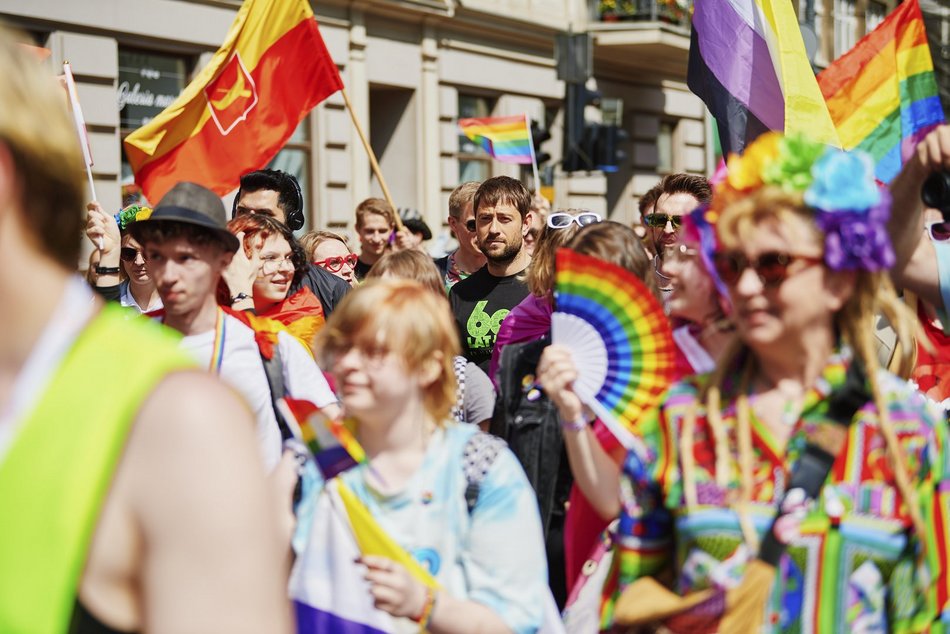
747, 62
506, 139
334, 447
272, 69
882, 94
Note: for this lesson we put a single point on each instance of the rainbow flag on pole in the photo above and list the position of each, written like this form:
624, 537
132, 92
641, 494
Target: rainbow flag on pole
506, 139
882, 94
747, 62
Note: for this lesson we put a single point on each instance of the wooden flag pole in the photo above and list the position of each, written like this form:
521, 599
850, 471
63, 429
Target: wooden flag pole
372, 157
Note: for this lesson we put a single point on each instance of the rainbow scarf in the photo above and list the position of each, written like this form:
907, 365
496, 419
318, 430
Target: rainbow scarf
882, 94
301, 313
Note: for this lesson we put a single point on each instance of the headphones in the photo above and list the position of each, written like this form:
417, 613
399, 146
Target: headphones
294, 216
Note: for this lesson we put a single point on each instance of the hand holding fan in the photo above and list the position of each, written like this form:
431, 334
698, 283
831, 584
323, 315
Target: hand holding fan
619, 337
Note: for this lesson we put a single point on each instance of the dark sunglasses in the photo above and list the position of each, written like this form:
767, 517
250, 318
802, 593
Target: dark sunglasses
470, 225
128, 254
660, 220
336, 263
771, 267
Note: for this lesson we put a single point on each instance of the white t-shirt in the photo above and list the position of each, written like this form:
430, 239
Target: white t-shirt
243, 369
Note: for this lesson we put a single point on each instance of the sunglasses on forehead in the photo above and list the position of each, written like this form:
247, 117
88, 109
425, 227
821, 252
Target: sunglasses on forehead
660, 220
939, 231
562, 220
336, 263
771, 268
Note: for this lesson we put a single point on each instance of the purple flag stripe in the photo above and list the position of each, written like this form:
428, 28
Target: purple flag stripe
740, 59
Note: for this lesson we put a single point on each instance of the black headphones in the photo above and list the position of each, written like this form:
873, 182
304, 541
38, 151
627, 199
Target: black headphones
294, 216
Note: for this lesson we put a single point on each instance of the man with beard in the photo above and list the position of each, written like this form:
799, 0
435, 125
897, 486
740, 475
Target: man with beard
482, 301
676, 196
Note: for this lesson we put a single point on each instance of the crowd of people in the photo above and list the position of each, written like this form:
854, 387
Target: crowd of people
794, 478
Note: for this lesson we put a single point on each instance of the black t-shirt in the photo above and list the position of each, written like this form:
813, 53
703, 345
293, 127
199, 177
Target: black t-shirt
480, 303
361, 269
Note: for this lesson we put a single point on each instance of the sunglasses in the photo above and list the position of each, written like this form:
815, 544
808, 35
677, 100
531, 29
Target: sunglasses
939, 231
470, 225
128, 254
563, 220
336, 263
660, 220
771, 268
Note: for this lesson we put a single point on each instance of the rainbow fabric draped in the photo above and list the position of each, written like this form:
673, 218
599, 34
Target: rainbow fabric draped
747, 63
882, 94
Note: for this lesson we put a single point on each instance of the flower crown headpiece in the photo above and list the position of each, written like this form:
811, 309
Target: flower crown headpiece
132, 213
849, 207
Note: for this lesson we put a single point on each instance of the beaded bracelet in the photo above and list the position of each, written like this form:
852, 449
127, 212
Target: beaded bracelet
426, 614
579, 424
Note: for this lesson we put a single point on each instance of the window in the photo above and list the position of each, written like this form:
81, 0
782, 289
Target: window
148, 83
294, 158
664, 148
845, 26
876, 12
474, 161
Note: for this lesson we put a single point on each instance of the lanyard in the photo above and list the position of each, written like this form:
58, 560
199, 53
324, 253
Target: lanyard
217, 348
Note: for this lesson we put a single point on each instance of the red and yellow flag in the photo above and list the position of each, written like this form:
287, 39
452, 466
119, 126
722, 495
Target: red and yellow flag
272, 69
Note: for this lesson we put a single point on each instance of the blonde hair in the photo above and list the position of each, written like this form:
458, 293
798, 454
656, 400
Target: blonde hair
872, 294
36, 129
376, 206
312, 239
406, 319
540, 274
410, 264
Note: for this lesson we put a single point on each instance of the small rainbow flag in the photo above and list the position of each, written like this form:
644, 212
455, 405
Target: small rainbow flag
333, 445
882, 94
506, 139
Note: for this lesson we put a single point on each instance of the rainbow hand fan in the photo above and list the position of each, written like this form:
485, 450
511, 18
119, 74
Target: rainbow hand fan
619, 336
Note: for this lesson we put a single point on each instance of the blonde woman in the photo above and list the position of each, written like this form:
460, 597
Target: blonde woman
390, 346
804, 253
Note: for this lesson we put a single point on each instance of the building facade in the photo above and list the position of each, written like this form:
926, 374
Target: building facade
412, 68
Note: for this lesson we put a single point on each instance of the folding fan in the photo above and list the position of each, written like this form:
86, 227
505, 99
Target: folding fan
619, 337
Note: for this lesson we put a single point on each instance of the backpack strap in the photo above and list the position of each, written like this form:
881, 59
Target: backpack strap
477, 458
274, 370
458, 410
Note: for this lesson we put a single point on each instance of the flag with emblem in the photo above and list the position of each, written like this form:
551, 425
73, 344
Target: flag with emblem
243, 106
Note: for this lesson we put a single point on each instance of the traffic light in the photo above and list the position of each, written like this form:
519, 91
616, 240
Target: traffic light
578, 142
538, 136
609, 155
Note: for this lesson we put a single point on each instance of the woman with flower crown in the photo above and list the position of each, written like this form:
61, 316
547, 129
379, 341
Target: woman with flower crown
797, 451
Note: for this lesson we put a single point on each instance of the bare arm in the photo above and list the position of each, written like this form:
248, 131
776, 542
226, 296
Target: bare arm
213, 560
906, 224
595, 472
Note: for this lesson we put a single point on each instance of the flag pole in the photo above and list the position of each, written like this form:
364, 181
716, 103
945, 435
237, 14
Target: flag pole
80, 123
372, 157
534, 159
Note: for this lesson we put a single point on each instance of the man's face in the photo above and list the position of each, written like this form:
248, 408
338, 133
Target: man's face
667, 216
500, 232
185, 274
464, 229
263, 201
374, 234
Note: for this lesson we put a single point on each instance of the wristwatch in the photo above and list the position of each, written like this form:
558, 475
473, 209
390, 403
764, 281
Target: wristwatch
107, 270
239, 297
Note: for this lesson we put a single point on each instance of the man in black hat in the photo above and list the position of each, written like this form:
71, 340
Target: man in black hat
187, 247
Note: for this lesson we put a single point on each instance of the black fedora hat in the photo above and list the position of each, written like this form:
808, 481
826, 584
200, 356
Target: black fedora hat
192, 204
